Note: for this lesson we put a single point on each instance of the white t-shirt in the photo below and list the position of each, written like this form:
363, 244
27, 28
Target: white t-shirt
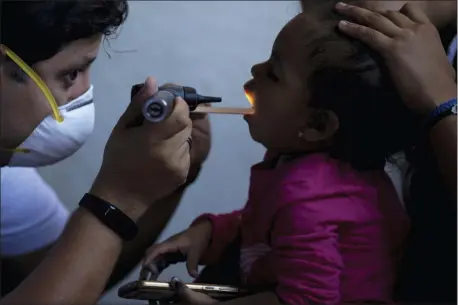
32, 216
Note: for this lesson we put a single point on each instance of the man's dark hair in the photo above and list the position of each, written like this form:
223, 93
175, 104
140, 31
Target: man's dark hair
37, 30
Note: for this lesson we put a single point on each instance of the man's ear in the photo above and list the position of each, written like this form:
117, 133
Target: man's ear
11, 70
321, 125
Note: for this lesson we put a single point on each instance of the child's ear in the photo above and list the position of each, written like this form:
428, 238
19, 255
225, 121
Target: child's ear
321, 125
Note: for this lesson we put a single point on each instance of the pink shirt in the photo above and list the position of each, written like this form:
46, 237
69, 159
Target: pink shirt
318, 230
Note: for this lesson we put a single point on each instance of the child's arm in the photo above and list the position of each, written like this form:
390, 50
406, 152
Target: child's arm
305, 258
225, 228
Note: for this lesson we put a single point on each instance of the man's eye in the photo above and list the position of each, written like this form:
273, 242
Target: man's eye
71, 77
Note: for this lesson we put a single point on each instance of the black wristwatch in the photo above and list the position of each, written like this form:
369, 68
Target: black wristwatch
110, 216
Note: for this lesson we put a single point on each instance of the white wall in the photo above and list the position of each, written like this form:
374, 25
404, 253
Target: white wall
210, 45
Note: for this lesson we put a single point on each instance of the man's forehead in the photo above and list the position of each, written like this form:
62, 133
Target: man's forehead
78, 53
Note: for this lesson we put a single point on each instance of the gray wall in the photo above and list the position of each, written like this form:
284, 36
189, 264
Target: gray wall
210, 45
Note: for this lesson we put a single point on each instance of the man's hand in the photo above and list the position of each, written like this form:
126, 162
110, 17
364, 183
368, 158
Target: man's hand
145, 163
412, 50
201, 142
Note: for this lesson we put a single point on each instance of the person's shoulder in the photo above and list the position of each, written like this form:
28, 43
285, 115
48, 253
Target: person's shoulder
32, 213
309, 176
21, 184
320, 179
318, 171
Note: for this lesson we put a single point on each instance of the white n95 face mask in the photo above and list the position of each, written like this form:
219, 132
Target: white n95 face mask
52, 141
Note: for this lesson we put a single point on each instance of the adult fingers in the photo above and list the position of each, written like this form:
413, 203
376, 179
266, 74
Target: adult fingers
371, 37
200, 116
415, 13
181, 142
369, 18
140, 94
399, 19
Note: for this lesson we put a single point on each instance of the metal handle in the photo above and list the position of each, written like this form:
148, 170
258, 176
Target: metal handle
159, 106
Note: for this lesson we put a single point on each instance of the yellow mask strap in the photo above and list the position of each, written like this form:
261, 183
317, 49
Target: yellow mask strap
37, 79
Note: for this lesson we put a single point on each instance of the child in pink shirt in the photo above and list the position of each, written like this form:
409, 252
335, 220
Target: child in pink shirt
323, 223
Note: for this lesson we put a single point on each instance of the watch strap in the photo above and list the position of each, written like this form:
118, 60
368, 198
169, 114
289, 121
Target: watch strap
110, 216
440, 112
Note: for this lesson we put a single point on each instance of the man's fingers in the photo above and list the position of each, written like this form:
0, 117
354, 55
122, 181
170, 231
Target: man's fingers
415, 13
180, 141
140, 94
200, 116
369, 18
371, 37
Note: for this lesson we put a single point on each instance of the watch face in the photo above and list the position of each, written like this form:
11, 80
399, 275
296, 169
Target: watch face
454, 109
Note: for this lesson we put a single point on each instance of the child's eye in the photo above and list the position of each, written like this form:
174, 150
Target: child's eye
272, 76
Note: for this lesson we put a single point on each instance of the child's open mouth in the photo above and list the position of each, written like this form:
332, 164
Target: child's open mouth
250, 97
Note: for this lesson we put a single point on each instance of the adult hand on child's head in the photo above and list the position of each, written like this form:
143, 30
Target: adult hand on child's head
189, 297
412, 50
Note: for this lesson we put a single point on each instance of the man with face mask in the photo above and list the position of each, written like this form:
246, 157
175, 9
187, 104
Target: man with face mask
47, 113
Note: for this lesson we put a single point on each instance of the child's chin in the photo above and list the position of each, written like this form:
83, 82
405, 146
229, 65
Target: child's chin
254, 133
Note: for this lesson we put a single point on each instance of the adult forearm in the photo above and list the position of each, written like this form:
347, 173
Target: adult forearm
441, 13
150, 227
443, 139
77, 268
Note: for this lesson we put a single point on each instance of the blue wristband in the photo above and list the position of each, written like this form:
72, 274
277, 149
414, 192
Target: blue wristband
441, 111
